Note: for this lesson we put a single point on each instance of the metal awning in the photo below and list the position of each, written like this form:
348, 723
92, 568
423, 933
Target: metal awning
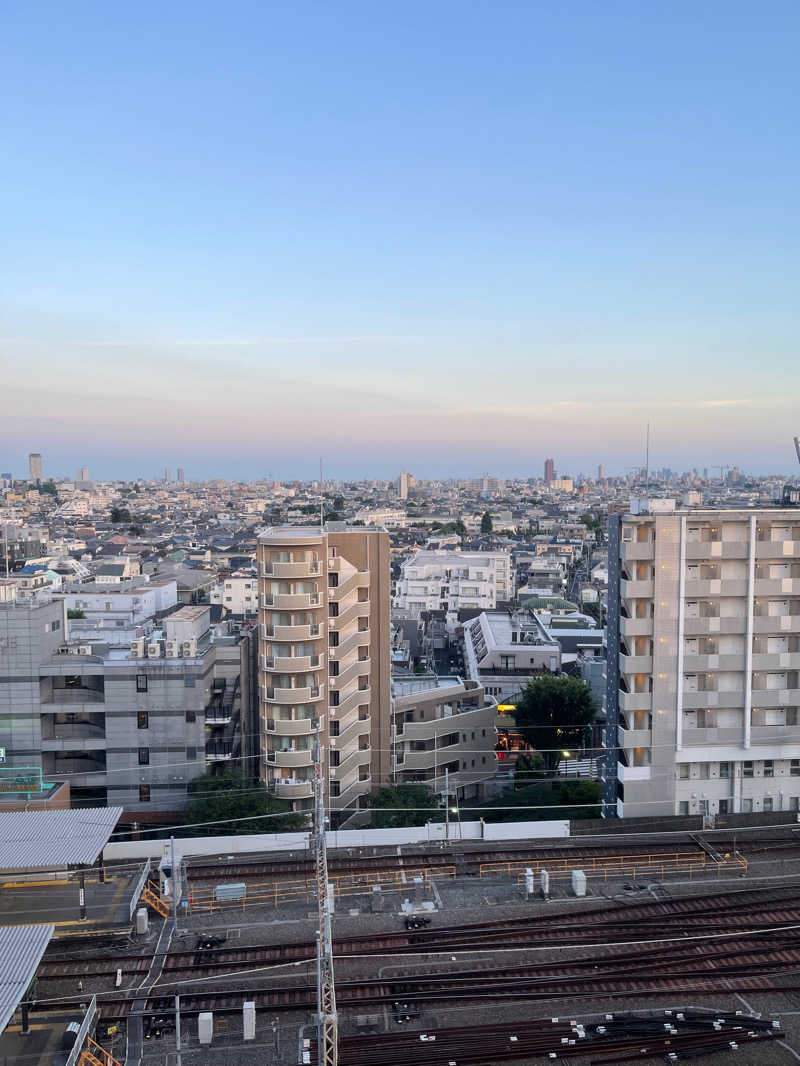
21, 950
51, 839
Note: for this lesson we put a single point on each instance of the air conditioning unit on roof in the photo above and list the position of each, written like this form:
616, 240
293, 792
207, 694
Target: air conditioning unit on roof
154, 650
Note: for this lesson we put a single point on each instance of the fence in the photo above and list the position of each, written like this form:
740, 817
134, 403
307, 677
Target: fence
83, 1033
141, 881
274, 893
622, 866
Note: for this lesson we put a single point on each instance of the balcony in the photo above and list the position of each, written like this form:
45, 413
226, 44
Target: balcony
701, 626
633, 773
777, 586
290, 570
636, 627
698, 587
636, 589
717, 549
636, 701
635, 664
776, 623
635, 550
219, 717
294, 601
784, 660
634, 738
775, 734
290, 759
701, 663
777, 549
293, 695
291, 727
713, 698
693, 737
293, 790
292, 633
219, 752
72, 696
291, 664
775, 697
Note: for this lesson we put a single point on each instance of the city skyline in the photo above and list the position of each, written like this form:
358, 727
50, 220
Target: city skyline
365, 234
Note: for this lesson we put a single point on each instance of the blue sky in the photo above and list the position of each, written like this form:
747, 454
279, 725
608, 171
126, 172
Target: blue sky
447, 237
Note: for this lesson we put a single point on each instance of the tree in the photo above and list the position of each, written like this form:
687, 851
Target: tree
49, 488
408, 797
120, 514
333, 516
552, 714
75, 612
530, 767
580, 799
487, 525
338, 503
232, 796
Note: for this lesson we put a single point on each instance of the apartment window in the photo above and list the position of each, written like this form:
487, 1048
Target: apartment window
335, 788
191, 753
333, 610
334, 758
191, 716
144, 793
144, 756
333, 697
747, 806
333, 728
141, 682
794, 767
683, 770
767, 803
683, 807
769, 768
142, 720
747, 769
723, 806
333, 638
794, 803
189, 682
703, 771
507, 662
333, 581
724, 769
333, 667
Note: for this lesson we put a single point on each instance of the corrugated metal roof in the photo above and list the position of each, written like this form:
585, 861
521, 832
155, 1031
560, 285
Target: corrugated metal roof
36, 840
21, 948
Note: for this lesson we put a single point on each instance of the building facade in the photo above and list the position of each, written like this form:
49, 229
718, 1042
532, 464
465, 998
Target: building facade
451, 580
324, 661
704, 662
35, 467
503, 650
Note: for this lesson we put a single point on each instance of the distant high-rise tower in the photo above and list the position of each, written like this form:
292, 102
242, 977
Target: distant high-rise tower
403, 484
601, 472
35, 467
83, 473
181, 477
549, 471
167, 474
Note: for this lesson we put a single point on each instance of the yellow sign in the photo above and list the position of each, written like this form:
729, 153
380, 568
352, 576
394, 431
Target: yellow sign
502, 707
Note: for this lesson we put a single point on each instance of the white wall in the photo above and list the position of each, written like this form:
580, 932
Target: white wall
345, 838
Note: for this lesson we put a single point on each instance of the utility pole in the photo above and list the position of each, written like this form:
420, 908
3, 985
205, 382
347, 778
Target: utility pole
446, 795
327, 1023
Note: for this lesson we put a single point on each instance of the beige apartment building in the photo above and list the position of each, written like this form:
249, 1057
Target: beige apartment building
703, 661
324, 656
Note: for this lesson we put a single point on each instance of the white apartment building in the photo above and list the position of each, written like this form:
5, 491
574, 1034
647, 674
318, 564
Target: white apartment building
237, 594
386, 516
324, 659
502, 651
451, 580
704, 662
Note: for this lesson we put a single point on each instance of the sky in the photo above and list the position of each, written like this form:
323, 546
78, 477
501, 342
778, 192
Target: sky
443, 237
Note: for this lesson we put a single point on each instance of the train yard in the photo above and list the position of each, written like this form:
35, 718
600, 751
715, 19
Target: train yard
706, 925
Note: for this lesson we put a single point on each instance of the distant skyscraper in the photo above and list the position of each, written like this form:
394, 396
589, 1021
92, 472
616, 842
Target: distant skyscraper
402, 485
83, 473
549, 471
181, 476
35, 467
167, 474
601, 472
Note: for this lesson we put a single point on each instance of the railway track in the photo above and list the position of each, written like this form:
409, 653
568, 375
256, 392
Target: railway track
751, 910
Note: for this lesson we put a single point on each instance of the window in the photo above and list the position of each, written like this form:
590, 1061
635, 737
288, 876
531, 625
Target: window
794, 803
333, 697
683, 807
144, 756
333, 728
747, 769
141, 682
703, 771
144, 793
335, 788
334, 758
767, 803
333, 610
507, 662
189, 682
683, 770
191, 753
794, 767
769, 768
191, 716
747, 806
333, 667
142, 720
723, 806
